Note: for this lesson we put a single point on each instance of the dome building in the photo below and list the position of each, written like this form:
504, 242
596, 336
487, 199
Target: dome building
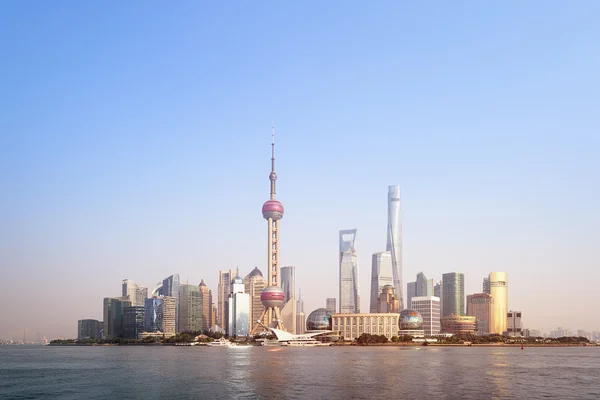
411, 323
318, 320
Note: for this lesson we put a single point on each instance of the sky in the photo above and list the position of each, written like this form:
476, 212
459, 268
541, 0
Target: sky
135, 143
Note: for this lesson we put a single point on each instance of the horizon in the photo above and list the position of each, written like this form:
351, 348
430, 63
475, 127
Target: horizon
136, 144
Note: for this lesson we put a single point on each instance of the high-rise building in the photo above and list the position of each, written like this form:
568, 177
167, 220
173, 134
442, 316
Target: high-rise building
239, 309
438, 292
153, 317
394, 239
254, 284
513, 323
133, 321
499, 292
169, 315
272, 296
213, 320
113, 316
381, 275
429, 308
387, 301
300, 323
453, 297
411, 291
137, 293
300, 302
424, 287
288, 285
190, 308
330, 305
170, 288
207, 305
89, 329
349, 292
224, 288
480, 306
485, 287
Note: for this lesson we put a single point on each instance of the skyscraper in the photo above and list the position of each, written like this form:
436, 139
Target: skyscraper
411, 291
113, 308
272, 296
254, 284
486, 285
207, 304
190, 308
239, 309
288, 285
224, 288
480, 306
429, 308
133, 321
330, 305
499, 292
381, 275
153, 314
137, 293
169, 315
171, 289
424, 286
453, 292
387, 301
394, 239
349, 293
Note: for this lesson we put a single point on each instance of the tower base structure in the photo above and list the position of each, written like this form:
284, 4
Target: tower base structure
275, 322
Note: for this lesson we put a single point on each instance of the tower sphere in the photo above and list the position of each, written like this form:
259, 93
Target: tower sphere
272, 209
272, 296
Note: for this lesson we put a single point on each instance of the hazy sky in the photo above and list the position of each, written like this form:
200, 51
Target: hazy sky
134, 143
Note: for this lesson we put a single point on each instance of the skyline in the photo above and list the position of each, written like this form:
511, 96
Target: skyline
137, 150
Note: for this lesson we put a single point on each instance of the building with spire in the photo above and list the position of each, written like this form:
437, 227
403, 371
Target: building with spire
254, 284
394, 239
239, 309
349, 292
207, 305
272, 296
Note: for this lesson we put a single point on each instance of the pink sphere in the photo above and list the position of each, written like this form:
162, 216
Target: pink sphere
272, 209
272, 296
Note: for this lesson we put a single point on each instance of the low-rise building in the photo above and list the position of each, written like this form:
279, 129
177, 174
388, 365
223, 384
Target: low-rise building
351, 326
89, 329
458, 324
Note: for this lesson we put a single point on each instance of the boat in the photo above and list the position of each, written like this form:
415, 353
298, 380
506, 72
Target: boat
221, 343
302, 340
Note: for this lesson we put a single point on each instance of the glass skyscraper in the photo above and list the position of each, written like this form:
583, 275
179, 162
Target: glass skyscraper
190, 308
153, 315
394, 239
171, 289
381, 275
349, 294
453, 294
288, 284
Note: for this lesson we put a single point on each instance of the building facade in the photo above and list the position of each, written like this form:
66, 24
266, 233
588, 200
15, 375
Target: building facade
411, 291
169, 315
424, 286
153, 315
514, 325
381, 275
89, 329
113, 316
330, 305
480, 306
429, 308
137, 293
458, 324
351, 326
133, 321
394, 239
499, 292
288, 285
191, 308
387, 302
239, 309
224, 289
349, 290
254, 284
170, 288
207, 306
453, 297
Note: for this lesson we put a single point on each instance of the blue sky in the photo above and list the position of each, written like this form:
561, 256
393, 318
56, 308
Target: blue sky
134, 142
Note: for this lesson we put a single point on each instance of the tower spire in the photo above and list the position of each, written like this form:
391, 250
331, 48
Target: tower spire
273, 175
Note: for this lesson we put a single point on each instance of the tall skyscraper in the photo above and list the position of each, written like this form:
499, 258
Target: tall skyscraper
239, 309
300, 303
453, 292
207, 304
113, 311
499, 292
424, 286
190, 308
137, 293
330, 305
486, 285
480, 306
171, 289
429, 308
254, 284
133, 321
169, 315
153, 315
288, 285
381, 275
387, 301
394, 239
272, 296
300, 319
349, 293
411, 291
224, 288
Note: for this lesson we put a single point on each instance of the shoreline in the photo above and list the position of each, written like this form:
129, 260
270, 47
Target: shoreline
353, 345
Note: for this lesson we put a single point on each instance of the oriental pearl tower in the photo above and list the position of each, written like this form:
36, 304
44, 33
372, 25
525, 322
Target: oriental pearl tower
272, 296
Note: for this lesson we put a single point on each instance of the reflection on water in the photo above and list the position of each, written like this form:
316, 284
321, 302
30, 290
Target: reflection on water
298, 373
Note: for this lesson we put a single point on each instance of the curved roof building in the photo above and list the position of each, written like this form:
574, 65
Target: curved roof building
318, 320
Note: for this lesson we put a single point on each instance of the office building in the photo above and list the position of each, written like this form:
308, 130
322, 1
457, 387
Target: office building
169, 315
137, 293
499, 292
514, 325
224, 289
394, 239
254, 284
424, 286
453, 297
239, 309
349, 291
170, 288
190, 308
485, 287
153, 317
288, 285
213, 320
387, 301
89, 329
429, 308
133, 321
330, 305
300, 323
113, 316
480, 306
207, 306
458, 324
351, 326
381, 275
411, 291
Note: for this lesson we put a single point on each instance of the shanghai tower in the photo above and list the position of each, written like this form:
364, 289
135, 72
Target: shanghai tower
394, 240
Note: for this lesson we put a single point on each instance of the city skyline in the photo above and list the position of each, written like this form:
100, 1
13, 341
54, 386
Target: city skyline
139, 156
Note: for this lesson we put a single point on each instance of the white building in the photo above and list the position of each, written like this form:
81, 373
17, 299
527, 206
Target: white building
394, 239
137, 293
239, 309
351, 326
429, 308
514, 326
381, 275
349, 293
